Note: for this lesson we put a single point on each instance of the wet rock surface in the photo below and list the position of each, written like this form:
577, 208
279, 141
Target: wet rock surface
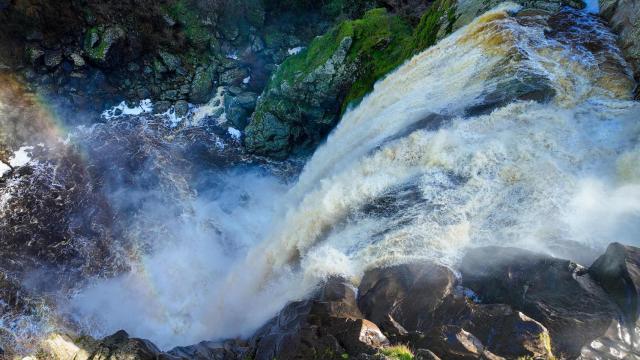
624, 19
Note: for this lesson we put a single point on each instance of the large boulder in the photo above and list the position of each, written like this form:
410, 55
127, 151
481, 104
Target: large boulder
324, 327
624, 18
401, 298
419, 304
618, 272
463, 329
558, 293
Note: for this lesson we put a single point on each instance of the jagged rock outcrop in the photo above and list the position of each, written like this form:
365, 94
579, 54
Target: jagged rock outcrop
624, 18
559, 294
303, 109
618, 272
324, 327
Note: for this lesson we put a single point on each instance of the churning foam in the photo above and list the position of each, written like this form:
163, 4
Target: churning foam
388, 187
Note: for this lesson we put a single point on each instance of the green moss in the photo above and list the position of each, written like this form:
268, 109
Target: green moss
380, 62
98, 50
184, 14
381, 42
398, 352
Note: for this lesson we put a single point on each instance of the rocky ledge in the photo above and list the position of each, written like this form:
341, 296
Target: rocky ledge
506, 303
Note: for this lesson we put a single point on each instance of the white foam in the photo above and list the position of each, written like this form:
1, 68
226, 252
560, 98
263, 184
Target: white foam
235, 133
122, 109
295, 50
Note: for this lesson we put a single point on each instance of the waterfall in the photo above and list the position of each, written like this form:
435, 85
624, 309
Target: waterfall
508, 132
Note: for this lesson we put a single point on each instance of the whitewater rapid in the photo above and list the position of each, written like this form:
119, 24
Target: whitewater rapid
418, 170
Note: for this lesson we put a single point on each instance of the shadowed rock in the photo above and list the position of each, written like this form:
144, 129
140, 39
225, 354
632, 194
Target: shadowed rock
557, 293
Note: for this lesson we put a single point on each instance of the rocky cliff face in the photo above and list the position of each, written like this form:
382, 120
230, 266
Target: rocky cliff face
308, 93
624, 18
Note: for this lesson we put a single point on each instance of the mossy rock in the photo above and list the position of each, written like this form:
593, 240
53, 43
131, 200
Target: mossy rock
202, 84
103, 46
184, 13
310, 90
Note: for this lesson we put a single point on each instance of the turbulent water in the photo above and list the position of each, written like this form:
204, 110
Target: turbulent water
514, 130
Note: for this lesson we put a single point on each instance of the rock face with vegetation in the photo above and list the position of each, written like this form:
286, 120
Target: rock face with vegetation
309, 91
624, 18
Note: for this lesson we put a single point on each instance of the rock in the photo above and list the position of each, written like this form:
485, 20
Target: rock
77, 60
104, 47
182, 108
624, 18
424, 354
233, 76
33, 54
116, 346
238, 108
314, 98
160, 107
170, 95
326, 326
171, 61
557, 293
206, 350
618, 272
202, 85
467, 10
453, 342
52, 58
401, 298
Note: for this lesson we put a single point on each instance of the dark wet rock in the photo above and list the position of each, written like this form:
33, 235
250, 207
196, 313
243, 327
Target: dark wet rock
202, 85
618, 272
424, 354
53, 58
326, 326
557, 293
172, 62
160, 107
401, 298
233, 76
34, 53
182, 108
239, 108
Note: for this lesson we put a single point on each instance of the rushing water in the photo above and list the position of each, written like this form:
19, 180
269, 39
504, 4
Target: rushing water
508, 132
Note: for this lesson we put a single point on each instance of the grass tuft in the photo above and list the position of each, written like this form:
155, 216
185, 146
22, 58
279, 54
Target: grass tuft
398, 352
